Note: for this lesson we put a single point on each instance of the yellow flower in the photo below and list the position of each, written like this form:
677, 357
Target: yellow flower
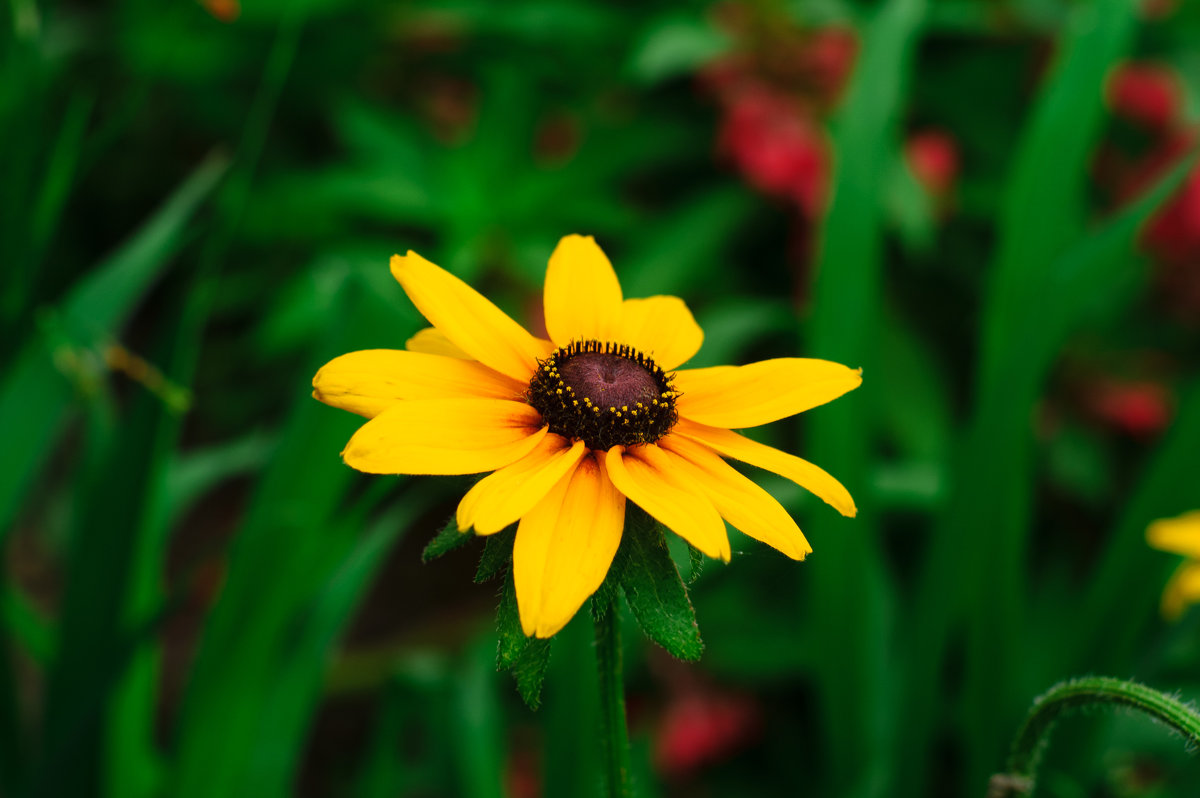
1180, 535
574, 426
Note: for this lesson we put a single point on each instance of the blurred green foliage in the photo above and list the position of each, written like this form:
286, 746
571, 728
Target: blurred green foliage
197, 205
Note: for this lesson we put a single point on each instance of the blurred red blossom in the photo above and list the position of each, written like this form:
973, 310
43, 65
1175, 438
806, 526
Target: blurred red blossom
523, 776
1145, 93
223, 10
779, 151
1174, 234
776, 90
1141, 408
827, 61
1158, 9
1148, 96
701, 726
933, 157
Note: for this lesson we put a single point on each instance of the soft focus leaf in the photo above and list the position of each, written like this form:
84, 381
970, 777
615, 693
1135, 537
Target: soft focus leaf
676, 45
845, 327
33, 390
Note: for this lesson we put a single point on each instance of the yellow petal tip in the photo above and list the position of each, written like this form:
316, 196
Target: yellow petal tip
399, 262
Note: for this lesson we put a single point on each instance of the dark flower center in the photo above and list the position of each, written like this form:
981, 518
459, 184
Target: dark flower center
604, 394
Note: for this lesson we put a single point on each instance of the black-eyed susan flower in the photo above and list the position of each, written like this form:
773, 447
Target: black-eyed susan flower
1179, 535
573, 427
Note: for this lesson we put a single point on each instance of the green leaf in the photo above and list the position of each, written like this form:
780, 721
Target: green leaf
293, 697
978, 561
656, 593
497, 551
526, 657
295, 536
446, 541
190, 476
34, 390
530, 671
696, 560
676, 45
508, 625
30, 626
845, 327
60, 173
606, 595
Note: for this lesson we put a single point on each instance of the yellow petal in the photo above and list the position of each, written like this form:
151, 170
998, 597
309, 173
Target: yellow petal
370, 381
739, 500
808, 476
431, 341
445, 436
501, 498
1183, 588
468, 319
582, 298
565, 545
662, 327
1180, 535
653, 481
736, 397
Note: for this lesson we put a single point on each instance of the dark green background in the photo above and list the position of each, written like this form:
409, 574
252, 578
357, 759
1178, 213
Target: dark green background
199, 599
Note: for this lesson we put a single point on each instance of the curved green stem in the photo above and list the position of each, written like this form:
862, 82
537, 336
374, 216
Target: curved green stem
1066, 696
614, 733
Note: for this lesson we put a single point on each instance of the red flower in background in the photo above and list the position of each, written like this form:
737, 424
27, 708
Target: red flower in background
1144, 93
223, 10
1158, 9
1148, 97
776, 92
933, 157
778, 150
827, 61
1141, 408
702, 726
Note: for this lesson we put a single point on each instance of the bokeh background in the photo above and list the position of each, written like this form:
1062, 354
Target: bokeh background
988, 205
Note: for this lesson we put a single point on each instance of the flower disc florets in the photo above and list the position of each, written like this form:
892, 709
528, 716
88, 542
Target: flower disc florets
604, 394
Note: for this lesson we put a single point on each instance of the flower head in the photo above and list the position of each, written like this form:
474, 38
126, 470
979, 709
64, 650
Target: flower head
1180, 535
573, 427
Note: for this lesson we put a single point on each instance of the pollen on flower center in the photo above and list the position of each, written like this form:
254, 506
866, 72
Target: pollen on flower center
604, 394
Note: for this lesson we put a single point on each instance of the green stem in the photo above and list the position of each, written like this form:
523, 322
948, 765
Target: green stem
614, 733
1073, 694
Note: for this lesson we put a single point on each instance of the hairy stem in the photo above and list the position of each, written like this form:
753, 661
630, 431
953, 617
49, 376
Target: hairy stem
1073, 694
614, 734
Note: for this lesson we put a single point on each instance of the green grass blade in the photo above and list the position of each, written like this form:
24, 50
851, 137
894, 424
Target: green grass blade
31, 629
480, 733
34, 391
13, 744
977, 556
570, 714
1043, 205
845, 326
59, 175
101, 301
192, 475
133, 768
293, 539
297, 687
